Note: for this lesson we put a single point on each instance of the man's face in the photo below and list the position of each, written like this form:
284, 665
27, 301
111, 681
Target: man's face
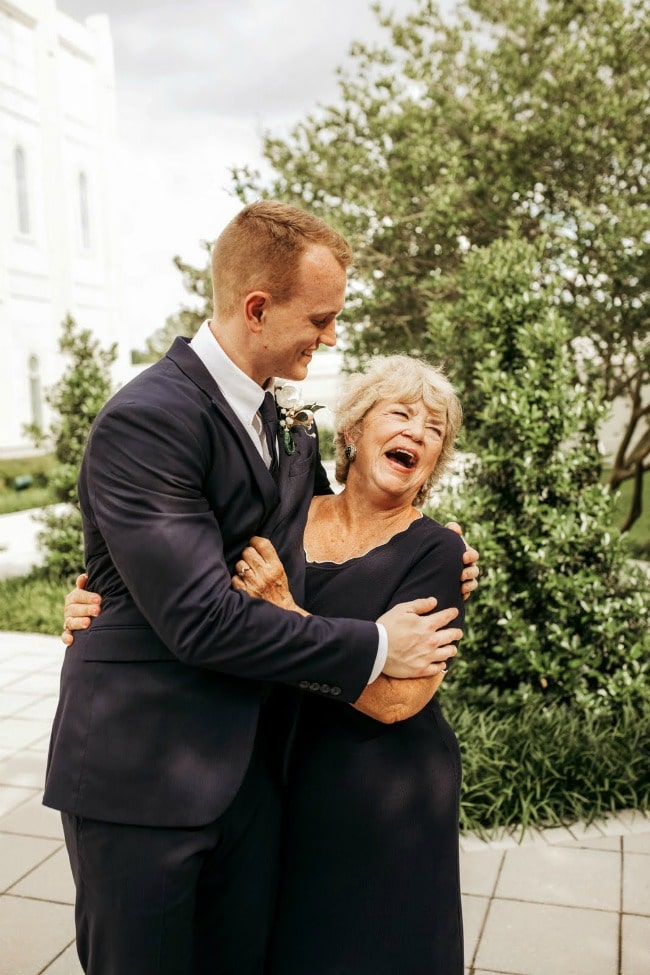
293, 330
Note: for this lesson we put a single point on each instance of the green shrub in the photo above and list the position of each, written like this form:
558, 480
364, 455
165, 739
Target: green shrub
76, 400
561, 613
326, 443
539, 767
639, 533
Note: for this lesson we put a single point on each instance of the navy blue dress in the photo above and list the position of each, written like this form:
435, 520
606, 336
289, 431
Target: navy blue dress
370, 882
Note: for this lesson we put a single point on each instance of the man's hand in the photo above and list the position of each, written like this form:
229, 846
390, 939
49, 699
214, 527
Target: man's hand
469, 575
80, 607
419, 645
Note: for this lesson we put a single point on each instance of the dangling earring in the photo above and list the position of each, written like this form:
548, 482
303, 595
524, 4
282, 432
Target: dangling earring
350, 451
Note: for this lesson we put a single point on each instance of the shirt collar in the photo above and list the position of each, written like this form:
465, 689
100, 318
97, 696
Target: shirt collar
242, 393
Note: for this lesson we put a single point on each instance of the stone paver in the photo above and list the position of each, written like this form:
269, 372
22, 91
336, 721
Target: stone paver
50, 881
563, 876
66, 964
636, 884
636, 945
479, 871
474, 914
540, 939
32, 934
19, 855
548, 903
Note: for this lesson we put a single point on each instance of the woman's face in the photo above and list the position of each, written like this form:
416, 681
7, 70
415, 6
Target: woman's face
399, 447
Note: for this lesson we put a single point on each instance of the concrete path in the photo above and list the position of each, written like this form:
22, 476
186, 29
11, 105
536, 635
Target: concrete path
563, 902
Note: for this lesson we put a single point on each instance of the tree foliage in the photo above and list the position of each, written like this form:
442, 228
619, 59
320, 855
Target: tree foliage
516, 114
560, 613
76, 400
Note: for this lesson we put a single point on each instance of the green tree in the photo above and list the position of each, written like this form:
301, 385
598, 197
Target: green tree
560, 614
76, 399
515, 113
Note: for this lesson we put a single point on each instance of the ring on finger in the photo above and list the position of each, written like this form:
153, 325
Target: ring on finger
243, 569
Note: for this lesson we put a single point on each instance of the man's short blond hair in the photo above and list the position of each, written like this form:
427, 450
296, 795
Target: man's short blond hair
403, 379
260, 249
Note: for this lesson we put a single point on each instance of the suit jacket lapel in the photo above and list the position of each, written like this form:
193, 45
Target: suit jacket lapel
184, 358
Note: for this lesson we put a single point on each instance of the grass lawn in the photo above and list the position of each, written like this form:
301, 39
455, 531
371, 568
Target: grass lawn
32, 604
38, 494
32, 497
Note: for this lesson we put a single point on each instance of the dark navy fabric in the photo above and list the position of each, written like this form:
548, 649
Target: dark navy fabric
369, 872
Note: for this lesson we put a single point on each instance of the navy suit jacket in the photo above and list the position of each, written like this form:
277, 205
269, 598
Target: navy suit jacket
160, 697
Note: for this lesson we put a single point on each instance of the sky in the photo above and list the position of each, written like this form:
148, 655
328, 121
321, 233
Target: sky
198, 83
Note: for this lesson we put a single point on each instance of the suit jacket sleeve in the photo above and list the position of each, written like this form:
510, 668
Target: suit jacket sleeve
143, 474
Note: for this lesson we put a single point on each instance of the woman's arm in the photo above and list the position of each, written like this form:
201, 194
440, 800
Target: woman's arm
389, 699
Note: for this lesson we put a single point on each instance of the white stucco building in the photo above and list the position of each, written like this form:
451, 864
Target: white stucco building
58, 241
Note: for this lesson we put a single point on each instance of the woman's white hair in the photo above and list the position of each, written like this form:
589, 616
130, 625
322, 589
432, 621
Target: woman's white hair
402, 379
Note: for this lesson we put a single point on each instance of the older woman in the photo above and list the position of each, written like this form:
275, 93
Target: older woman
370, 881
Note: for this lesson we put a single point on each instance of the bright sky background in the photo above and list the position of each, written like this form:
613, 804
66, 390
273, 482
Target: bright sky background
198, 82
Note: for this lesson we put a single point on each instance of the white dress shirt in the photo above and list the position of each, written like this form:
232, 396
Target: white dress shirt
245, 397
243, 394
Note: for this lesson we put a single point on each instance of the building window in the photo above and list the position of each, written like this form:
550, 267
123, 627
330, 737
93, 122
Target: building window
35, 391
84, 211
22, 194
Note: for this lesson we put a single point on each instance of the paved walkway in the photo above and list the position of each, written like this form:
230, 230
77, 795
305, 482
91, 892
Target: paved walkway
563, 902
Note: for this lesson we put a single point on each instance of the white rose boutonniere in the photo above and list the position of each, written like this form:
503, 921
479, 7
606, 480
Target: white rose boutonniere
292, 412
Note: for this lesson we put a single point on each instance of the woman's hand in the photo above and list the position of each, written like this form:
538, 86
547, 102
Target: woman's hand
469, 576
80, 607
260, 573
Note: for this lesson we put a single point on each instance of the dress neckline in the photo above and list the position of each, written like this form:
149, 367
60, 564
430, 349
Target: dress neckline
329, 563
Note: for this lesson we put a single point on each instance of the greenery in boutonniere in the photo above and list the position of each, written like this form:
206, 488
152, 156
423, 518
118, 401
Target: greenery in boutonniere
292, 412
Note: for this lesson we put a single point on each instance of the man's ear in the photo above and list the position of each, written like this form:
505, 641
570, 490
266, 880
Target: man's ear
255, 304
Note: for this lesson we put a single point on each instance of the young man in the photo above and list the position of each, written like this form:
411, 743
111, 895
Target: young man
166, 745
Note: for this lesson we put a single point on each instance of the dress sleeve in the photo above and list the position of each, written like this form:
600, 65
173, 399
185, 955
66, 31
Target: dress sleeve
435, 571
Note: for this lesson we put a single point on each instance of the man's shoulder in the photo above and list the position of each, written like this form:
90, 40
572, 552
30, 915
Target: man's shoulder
162, 380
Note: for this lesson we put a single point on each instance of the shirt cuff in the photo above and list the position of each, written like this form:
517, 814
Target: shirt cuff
382, 653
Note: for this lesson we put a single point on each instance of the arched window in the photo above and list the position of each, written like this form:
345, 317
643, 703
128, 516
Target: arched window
84, 211
22, 192
35, 391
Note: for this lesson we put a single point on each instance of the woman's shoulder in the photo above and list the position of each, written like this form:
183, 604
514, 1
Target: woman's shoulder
433, 535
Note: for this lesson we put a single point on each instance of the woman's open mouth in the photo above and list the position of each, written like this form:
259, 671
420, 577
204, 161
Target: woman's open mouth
404, 458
